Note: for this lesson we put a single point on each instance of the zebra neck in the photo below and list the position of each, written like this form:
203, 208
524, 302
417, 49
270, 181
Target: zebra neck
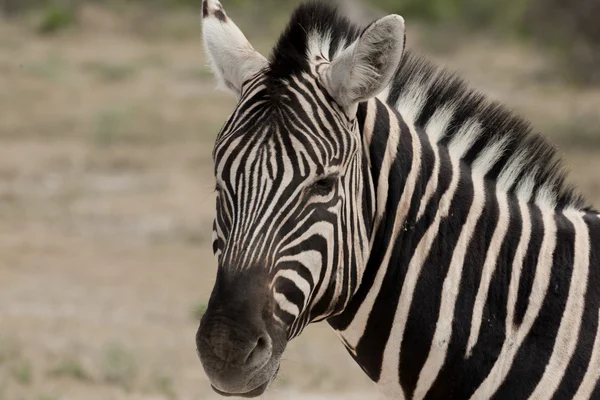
415, 187
461, 272
399, 158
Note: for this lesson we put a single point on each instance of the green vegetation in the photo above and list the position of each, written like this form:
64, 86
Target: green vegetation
71, 368
22, 372
164, 385
56, 17
119, 366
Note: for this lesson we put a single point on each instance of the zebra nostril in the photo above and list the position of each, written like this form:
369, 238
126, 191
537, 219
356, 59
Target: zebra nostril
261, 353
262, 342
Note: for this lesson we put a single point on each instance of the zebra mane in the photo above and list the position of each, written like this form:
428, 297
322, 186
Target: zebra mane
496, 142
493, 140
314, 23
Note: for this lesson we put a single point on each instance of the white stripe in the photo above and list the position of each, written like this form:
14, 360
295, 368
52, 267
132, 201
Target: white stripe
489, 267
488, 156
438, 123
443, 330
517, 268
570, 324
526, 185
298, 280
412, 102
356, 329
592, 375
465, 138
368, 130
546, 196
511, 171
313, 260
538, 293
432, 184
285, 304
389, 381
435, 129
384, 176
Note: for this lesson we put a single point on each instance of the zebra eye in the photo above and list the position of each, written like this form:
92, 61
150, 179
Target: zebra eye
324, 185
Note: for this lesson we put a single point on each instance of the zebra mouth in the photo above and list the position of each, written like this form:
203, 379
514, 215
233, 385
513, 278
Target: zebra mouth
259, 391
251, 394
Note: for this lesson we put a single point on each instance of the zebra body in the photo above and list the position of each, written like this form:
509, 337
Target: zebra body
465, 285
364, 186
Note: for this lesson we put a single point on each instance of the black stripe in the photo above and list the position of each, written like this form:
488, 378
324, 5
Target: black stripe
377, 150
371, 347
425, 307
450, 382
535, 352
529, 264
589, 322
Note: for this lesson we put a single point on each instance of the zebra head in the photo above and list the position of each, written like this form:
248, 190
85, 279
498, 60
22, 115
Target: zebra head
294, 193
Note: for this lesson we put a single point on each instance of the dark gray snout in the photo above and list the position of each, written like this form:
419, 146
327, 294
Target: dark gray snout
238, 341
233, 354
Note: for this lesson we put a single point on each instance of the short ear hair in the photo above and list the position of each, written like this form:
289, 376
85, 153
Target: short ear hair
232, 57
366, 67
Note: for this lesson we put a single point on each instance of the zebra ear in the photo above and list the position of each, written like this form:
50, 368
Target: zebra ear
366, 67
232, 57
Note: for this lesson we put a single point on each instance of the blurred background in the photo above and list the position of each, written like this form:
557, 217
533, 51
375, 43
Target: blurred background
107, 119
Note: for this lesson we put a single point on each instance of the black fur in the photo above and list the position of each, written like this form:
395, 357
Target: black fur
289, 55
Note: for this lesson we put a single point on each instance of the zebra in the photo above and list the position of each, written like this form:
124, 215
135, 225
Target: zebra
360, 183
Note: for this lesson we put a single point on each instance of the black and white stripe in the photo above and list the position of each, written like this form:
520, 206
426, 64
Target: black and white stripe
429, 226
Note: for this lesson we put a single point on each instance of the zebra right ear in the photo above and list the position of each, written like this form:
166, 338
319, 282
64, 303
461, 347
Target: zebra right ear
366, 67
233, 59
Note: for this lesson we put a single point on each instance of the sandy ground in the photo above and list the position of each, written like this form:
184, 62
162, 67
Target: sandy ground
106, 206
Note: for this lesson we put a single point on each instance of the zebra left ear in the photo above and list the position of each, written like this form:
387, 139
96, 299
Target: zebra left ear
365, 68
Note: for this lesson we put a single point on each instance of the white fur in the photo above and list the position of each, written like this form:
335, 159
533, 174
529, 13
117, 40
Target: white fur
436, 129
488, 157
593, 372
412, 102
465, 138
510, 173
232, 57
318, 45
352, 77
570, 324
438, 124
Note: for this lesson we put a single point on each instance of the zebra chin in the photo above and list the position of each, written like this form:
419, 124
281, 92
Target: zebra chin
259, 391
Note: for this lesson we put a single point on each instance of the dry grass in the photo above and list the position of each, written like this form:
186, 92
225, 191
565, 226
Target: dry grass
106, 206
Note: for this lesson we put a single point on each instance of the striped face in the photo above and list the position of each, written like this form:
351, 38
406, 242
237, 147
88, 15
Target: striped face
290, 190
288, 234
